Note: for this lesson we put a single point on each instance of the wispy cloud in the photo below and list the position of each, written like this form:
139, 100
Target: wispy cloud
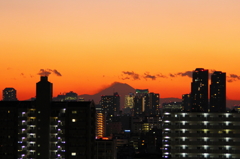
47, 72
131, 75
148, 76
233, 77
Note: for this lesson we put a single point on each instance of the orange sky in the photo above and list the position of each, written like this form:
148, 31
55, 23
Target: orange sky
90, 42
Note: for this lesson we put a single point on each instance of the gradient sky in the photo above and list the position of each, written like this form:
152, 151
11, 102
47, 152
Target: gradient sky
92, 43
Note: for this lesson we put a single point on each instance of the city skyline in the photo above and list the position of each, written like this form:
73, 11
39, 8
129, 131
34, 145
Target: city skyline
88, 45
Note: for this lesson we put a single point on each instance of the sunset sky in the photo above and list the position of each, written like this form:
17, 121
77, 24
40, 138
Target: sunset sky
93, 43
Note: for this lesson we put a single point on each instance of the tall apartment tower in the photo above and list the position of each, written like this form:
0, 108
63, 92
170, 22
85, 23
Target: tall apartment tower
43, 113
152, 107
199, 91
218, 92
9, 94
111, 104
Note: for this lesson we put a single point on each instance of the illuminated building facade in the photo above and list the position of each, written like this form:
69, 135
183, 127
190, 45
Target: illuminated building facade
71, 96
218, 92
186, 102
100, 122
45, 129
129, 101
172, 106
9, 94
145, 103
111, 104
199, 90
201, 135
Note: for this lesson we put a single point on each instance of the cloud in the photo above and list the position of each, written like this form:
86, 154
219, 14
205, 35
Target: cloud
56, 73
131, 75
135, 76
233, 77
148, 76
22, 74
161, 75
186, 73
47, 72
189, 73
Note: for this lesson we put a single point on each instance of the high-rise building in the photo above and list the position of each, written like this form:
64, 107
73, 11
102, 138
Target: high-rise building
100, 122
152, 106
129, 101
218, 92
186, 102
140, 102
195, 135
46, 129
9, 94
199, 91
145, 103
111, 104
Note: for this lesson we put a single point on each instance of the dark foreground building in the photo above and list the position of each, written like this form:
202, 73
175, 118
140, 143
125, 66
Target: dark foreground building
218, 92
9, 94
43, 129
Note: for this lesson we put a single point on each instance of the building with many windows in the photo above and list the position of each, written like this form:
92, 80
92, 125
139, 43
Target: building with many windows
218, 92
194, 135
45, 129
111, 104
9, 94
199, 90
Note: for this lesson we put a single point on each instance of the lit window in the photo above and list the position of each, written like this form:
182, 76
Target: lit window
73, 120
74, 112
74, 153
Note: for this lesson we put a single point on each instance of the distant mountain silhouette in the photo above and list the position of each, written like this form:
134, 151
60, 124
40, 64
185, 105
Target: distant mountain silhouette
122, 89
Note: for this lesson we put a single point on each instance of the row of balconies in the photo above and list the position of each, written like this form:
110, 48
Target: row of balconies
204, 151
200, 135
209, 157
233, 143
202, 126
200, 118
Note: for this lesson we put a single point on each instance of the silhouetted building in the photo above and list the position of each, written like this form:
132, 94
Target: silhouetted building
105, 149
199, 91
71, 96
111, 104
172, 106
9, 94
218, 92
186, 102
45, 129
152, 107
43, 109
139, 105
140, 102
146, 104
